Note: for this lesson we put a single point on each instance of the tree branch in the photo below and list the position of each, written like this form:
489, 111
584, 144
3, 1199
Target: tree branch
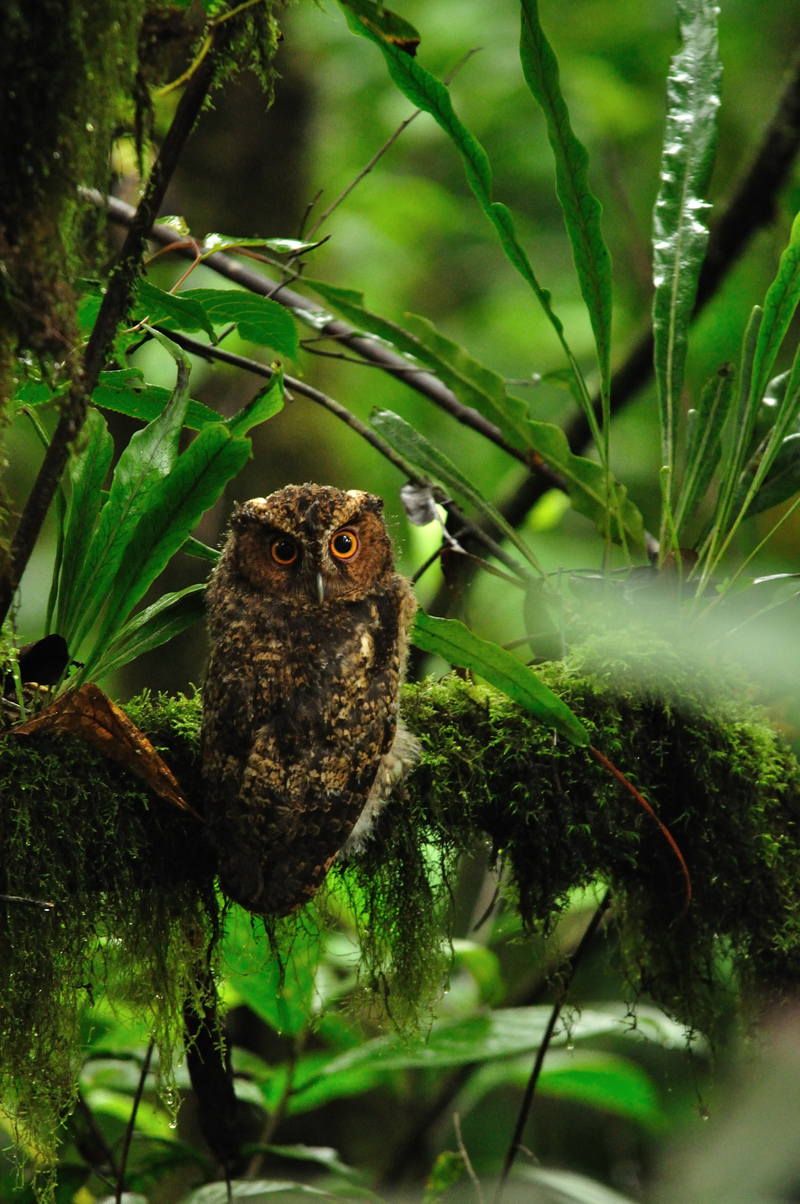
115, 303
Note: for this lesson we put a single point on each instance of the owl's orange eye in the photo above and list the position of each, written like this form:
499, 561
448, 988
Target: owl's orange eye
344, 545
284, 551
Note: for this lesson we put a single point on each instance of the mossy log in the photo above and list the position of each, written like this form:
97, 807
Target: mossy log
133, 882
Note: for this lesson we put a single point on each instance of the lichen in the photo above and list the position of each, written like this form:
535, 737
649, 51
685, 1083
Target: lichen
133, 885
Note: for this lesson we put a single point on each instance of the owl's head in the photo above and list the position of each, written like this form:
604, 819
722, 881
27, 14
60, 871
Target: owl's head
312, 543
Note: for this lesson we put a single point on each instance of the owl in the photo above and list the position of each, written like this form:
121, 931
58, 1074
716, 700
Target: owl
301, 740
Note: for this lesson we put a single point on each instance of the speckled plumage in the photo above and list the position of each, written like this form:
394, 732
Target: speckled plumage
300, 729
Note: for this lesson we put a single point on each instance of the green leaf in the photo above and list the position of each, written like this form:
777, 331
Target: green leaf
212, 243
150, 1120
259, 319
254, 971
475, 385
429, 94
252, 1190
780, 304
88, 469
598, 1080
446, 1171
415, 447
177, 311
125, 392
455, 643
582, 210
166, 618
174, 506
388, 27
499, 1034
201, 551
705, 444
266, 404
148, 457
679, 234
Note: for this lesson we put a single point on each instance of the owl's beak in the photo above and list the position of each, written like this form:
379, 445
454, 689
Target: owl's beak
320, 584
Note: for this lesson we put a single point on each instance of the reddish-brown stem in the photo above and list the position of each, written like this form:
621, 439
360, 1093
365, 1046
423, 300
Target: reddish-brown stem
665, 832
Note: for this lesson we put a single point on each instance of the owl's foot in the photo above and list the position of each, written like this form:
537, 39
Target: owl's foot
395, 765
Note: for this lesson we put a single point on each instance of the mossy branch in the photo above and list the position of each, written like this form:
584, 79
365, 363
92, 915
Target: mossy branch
133, 885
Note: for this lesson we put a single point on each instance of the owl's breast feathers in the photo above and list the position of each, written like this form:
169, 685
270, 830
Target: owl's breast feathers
300, 705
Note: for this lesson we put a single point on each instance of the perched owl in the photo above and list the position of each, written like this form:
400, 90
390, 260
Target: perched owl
301, 740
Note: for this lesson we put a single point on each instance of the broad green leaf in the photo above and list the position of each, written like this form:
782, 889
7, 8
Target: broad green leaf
88, 469
598, 1080
321, 1155
475, 385
581, 207
125, 392
282, 246
679, 233
565, 1187
201, 551
147, 459
150, 1120
251, 967
175, 310
780, 304
429, 94
415, 447
266, 404
500, 1034
705, 444
259, 319
484, 966
166, 618
174, 506
455, 643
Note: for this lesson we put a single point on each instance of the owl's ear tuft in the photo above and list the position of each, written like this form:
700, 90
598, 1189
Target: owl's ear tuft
244, 516
373, 504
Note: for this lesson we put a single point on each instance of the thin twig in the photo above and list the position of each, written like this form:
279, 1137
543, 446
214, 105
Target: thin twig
275, 1118
116, 301
21, 901
448, 79
462, 1149
126, 1145
541, 1053
100, 1140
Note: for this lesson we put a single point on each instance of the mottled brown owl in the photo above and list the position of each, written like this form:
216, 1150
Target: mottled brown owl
301, 741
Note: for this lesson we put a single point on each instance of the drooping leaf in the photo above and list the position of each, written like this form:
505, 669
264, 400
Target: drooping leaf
780, 304
679, 233
582, 210
174, 506
266, 404
177, 311
386, 25
125, 392
259, 319
166, 618
201, 551
705, 444
414, 447
455, 643
783, 480
88, 468
148, 457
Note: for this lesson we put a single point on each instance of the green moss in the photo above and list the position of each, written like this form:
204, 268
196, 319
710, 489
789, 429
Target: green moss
133, 885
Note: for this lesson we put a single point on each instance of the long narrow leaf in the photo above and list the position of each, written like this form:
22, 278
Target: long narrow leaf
175, 505
88, 470
455, 643
148, 458
780, 304
429, 94
705, 445
415, 447
582, 210
679, 233
766, 457
266, 404
166, 618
